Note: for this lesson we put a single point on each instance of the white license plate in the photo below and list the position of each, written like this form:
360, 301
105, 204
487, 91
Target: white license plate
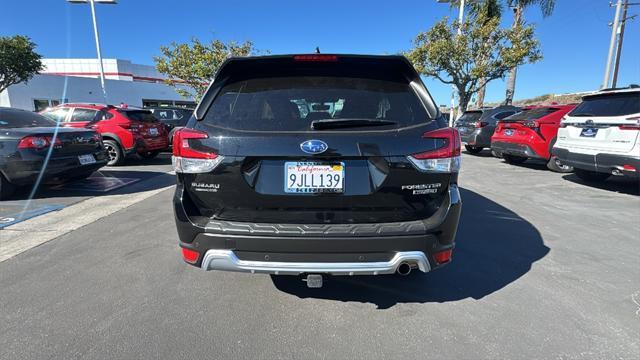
313, 177
153, 132
86, 159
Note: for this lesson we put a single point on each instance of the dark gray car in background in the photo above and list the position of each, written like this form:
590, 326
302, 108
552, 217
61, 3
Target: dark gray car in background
173, 118
477, 126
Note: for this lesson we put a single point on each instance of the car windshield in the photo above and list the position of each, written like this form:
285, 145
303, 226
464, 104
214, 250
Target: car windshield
615, 104
293, 103
532, 114
22, 119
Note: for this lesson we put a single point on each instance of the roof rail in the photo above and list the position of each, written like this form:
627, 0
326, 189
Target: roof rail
87, 103
631, 86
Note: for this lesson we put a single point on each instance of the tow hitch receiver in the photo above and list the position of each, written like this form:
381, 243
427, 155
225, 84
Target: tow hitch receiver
313, 280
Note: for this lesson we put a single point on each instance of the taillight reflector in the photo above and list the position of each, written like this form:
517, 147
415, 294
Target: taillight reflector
38, 142
445, 158
629, 127
187, 159
190, 256
450, 148
443, 256
181, 146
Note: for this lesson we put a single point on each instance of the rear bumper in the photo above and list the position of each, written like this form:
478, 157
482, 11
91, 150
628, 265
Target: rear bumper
152, 144
604, 163
26, 172
227, 260
515, 149
340, 249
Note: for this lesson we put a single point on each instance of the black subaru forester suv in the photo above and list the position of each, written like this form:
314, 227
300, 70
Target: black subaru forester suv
317, 164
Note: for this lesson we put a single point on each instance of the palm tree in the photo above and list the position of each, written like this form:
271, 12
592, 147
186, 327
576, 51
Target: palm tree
518, 6
485, 9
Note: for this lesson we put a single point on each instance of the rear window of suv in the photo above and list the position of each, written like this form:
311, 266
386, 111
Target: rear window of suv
470, 116
292, 103
139, 115
532, 114
615, 104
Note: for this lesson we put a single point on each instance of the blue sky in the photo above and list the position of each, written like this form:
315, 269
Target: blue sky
574, 39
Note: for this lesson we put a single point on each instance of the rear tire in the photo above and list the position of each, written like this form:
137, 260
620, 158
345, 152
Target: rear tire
6, 188
116, 156
473, 149
591, 176
513, 160
149, 154
554, 165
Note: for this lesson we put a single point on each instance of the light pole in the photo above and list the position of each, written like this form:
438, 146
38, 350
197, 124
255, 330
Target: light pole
612, 42
97, 36
453, 93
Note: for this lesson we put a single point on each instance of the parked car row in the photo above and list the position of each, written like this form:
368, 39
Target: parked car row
71, 141
124, 131
29, 141
596, 139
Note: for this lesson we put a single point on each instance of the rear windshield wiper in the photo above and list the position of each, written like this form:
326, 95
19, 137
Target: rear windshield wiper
583, 114
347, 123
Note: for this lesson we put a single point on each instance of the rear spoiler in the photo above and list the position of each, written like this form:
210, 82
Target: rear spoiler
384, 66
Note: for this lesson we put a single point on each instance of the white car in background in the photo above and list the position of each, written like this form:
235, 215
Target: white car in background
600, 137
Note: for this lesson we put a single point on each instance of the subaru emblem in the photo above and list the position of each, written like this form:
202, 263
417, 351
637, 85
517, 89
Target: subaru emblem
314, 146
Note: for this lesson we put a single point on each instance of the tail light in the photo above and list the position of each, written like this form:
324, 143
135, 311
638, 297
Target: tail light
131, 126
190, 256
443, 256
445, 158
631, 126
190, 160
38, 142
480, 124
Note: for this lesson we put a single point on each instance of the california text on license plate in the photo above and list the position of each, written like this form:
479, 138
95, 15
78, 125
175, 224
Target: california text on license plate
314, 177
86, 159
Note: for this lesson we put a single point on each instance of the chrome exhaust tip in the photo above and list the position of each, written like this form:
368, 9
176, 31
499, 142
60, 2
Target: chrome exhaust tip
404, 269
617, 171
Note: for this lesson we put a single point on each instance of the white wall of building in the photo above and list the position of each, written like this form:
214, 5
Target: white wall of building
83, 89
115, 69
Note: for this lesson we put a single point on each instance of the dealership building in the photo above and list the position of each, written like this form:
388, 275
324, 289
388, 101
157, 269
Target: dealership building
77, 80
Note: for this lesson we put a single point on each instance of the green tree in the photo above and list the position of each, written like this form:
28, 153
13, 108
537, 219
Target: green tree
18, 60
481, 53
196, 64
518, 6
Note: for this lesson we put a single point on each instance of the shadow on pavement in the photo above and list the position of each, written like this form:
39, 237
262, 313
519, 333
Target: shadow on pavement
160, 179
494, 248
163, 158
484, 153
616, 184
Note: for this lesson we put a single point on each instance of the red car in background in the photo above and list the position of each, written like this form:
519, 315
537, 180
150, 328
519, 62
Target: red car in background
124, 131
530, 134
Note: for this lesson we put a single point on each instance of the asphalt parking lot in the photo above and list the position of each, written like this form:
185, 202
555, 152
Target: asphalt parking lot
545, 267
